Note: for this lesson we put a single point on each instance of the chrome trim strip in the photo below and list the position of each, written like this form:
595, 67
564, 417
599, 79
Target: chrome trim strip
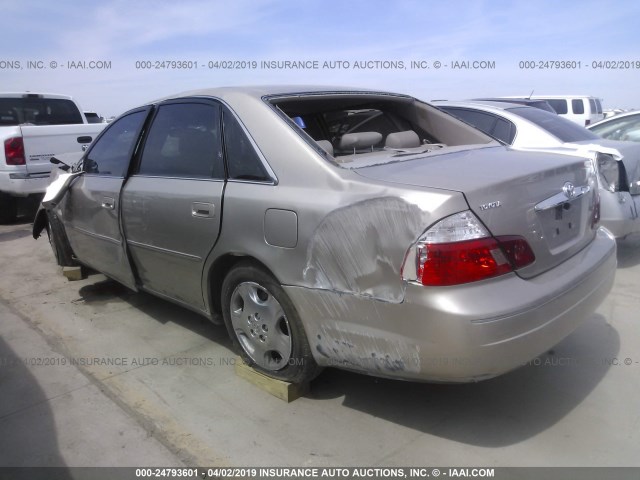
153, 248
561, 198
200, 179
96, 235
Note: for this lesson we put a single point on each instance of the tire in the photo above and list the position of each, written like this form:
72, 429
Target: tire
8, 208
264, 326
58, 241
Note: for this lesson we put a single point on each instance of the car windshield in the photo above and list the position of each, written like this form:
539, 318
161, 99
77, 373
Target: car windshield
38, 111
618, 128
565, 130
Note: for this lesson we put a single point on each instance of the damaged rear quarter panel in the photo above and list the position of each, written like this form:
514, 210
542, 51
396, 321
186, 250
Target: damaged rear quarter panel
359, 249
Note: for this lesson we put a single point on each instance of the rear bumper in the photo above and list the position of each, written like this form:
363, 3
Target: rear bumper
21, 184
619, 213
458, 334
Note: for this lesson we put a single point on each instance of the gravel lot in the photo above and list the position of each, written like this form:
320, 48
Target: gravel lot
93, 374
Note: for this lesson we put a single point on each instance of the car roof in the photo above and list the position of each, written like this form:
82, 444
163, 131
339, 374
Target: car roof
518, 100
261, 91
34, 95
615, 117
480, 104
536, 96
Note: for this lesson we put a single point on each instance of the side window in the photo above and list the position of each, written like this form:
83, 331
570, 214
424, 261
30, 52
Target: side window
243, 161
577, 106
504, 130
111, 154
560, 106
184, 141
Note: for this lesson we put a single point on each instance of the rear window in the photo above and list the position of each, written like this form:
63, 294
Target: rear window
543, 105
38, 111
565, 130
559, 105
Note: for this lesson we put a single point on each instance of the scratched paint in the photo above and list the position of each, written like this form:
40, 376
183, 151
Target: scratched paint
371, 351
359, 249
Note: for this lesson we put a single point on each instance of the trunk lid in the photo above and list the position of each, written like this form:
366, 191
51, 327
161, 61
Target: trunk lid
512, 193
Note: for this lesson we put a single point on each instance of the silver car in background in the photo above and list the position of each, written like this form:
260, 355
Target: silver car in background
623, 126
336, 227
527, 127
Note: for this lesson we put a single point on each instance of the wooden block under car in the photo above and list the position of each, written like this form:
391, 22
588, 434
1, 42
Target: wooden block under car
278, 388
72, 273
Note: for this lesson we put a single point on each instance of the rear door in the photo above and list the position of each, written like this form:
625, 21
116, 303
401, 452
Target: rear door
172, 204
91, 209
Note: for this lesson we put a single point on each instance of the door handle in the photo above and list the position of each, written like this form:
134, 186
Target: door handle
108, 202
204, 210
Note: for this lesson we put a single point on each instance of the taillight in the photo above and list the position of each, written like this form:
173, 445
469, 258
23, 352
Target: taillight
14, 151
458, 249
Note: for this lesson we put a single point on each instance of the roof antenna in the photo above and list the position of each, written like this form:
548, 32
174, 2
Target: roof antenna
531, 94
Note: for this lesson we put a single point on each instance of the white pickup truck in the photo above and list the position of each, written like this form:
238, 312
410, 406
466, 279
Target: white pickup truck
33, 128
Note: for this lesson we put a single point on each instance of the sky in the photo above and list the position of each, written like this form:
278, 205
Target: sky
109, 54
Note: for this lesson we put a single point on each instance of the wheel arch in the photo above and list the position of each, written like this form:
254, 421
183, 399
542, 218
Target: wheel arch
55, 228
220, 269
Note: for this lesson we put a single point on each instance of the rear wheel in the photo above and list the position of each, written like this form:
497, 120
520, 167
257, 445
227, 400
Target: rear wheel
264, 325
8, 208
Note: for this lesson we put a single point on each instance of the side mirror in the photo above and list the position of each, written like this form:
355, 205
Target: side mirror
60, 163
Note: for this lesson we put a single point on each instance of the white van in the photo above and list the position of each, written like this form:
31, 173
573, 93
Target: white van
581, 109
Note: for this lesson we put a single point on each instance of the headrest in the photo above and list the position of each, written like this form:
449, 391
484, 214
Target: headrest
326, 146
359, 140
406, 139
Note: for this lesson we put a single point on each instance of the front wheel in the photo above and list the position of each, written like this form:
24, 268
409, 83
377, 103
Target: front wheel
58, 241
264, 325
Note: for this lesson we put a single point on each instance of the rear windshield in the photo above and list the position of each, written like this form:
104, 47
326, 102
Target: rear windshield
347, 127
565, 130
38, 111
560, 106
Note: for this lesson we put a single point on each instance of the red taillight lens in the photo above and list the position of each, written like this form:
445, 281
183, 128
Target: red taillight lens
14, 151
443, 264
461, 262
459, 249
517, 251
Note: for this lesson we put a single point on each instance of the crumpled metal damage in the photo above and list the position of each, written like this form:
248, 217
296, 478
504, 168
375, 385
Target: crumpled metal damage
364, 344
373, 353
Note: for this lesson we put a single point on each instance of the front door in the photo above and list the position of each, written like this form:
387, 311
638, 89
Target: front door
91, 208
